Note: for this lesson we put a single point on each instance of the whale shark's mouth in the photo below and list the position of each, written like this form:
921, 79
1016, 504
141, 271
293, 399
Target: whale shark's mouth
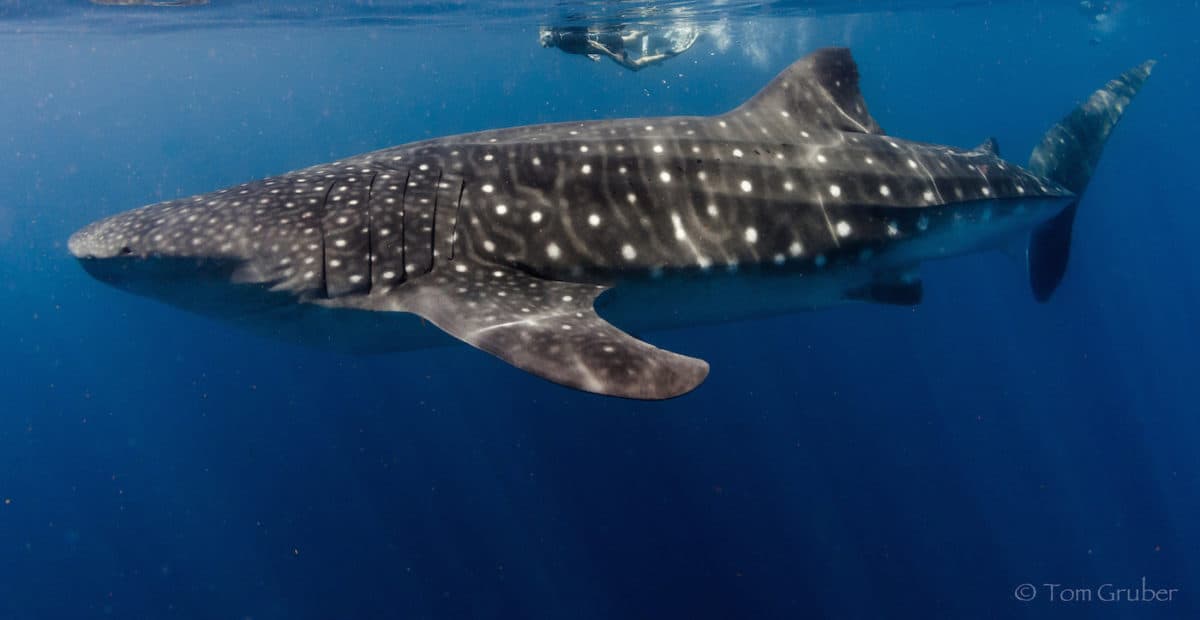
127, 268
205, 286
212, 288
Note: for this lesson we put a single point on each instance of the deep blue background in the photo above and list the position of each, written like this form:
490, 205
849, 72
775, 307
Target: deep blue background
860, 462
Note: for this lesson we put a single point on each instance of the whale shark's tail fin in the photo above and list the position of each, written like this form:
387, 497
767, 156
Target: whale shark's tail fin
1068, 155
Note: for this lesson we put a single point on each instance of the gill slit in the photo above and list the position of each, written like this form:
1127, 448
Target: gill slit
437, 193
462, 186
370, 233
321, 224
404, 227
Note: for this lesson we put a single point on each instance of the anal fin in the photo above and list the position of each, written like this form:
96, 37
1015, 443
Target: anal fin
547, 328
894, 288
1049, 251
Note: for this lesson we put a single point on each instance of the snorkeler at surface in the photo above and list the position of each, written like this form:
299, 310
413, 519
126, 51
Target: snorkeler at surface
1102, 16
597, 43
1096, 10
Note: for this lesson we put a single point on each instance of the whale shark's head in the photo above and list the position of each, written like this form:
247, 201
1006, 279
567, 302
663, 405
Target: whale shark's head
222, 262
250, 274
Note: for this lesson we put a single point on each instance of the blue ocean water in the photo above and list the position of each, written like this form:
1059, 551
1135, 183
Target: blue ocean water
858, 462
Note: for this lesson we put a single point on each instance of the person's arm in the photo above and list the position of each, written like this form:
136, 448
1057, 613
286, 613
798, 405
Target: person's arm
604, 49
645, 61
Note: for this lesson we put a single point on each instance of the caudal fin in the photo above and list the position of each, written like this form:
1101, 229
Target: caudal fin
1068, 155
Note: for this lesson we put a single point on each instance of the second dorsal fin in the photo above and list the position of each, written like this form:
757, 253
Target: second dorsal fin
820, 89
989, 146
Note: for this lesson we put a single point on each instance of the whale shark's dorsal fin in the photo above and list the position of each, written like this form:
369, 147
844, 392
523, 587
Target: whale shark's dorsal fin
820, 89
989, 146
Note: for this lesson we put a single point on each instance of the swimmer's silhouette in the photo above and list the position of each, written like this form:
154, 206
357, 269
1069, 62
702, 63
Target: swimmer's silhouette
652, 47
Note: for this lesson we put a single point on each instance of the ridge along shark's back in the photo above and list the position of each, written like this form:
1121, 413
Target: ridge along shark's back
800, 171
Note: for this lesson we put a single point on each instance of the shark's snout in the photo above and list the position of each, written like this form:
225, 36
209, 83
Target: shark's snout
162, 250
146, 231
136, 252
94, 242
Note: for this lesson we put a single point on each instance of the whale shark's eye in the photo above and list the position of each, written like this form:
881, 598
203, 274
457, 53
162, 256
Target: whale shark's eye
126, 250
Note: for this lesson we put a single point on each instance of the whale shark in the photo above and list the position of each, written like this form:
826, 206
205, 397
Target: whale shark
549, 246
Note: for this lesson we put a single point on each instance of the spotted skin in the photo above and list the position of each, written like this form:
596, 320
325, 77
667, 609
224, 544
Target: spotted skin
505, 239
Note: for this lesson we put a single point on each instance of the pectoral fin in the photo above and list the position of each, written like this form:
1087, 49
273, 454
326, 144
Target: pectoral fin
548, 328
